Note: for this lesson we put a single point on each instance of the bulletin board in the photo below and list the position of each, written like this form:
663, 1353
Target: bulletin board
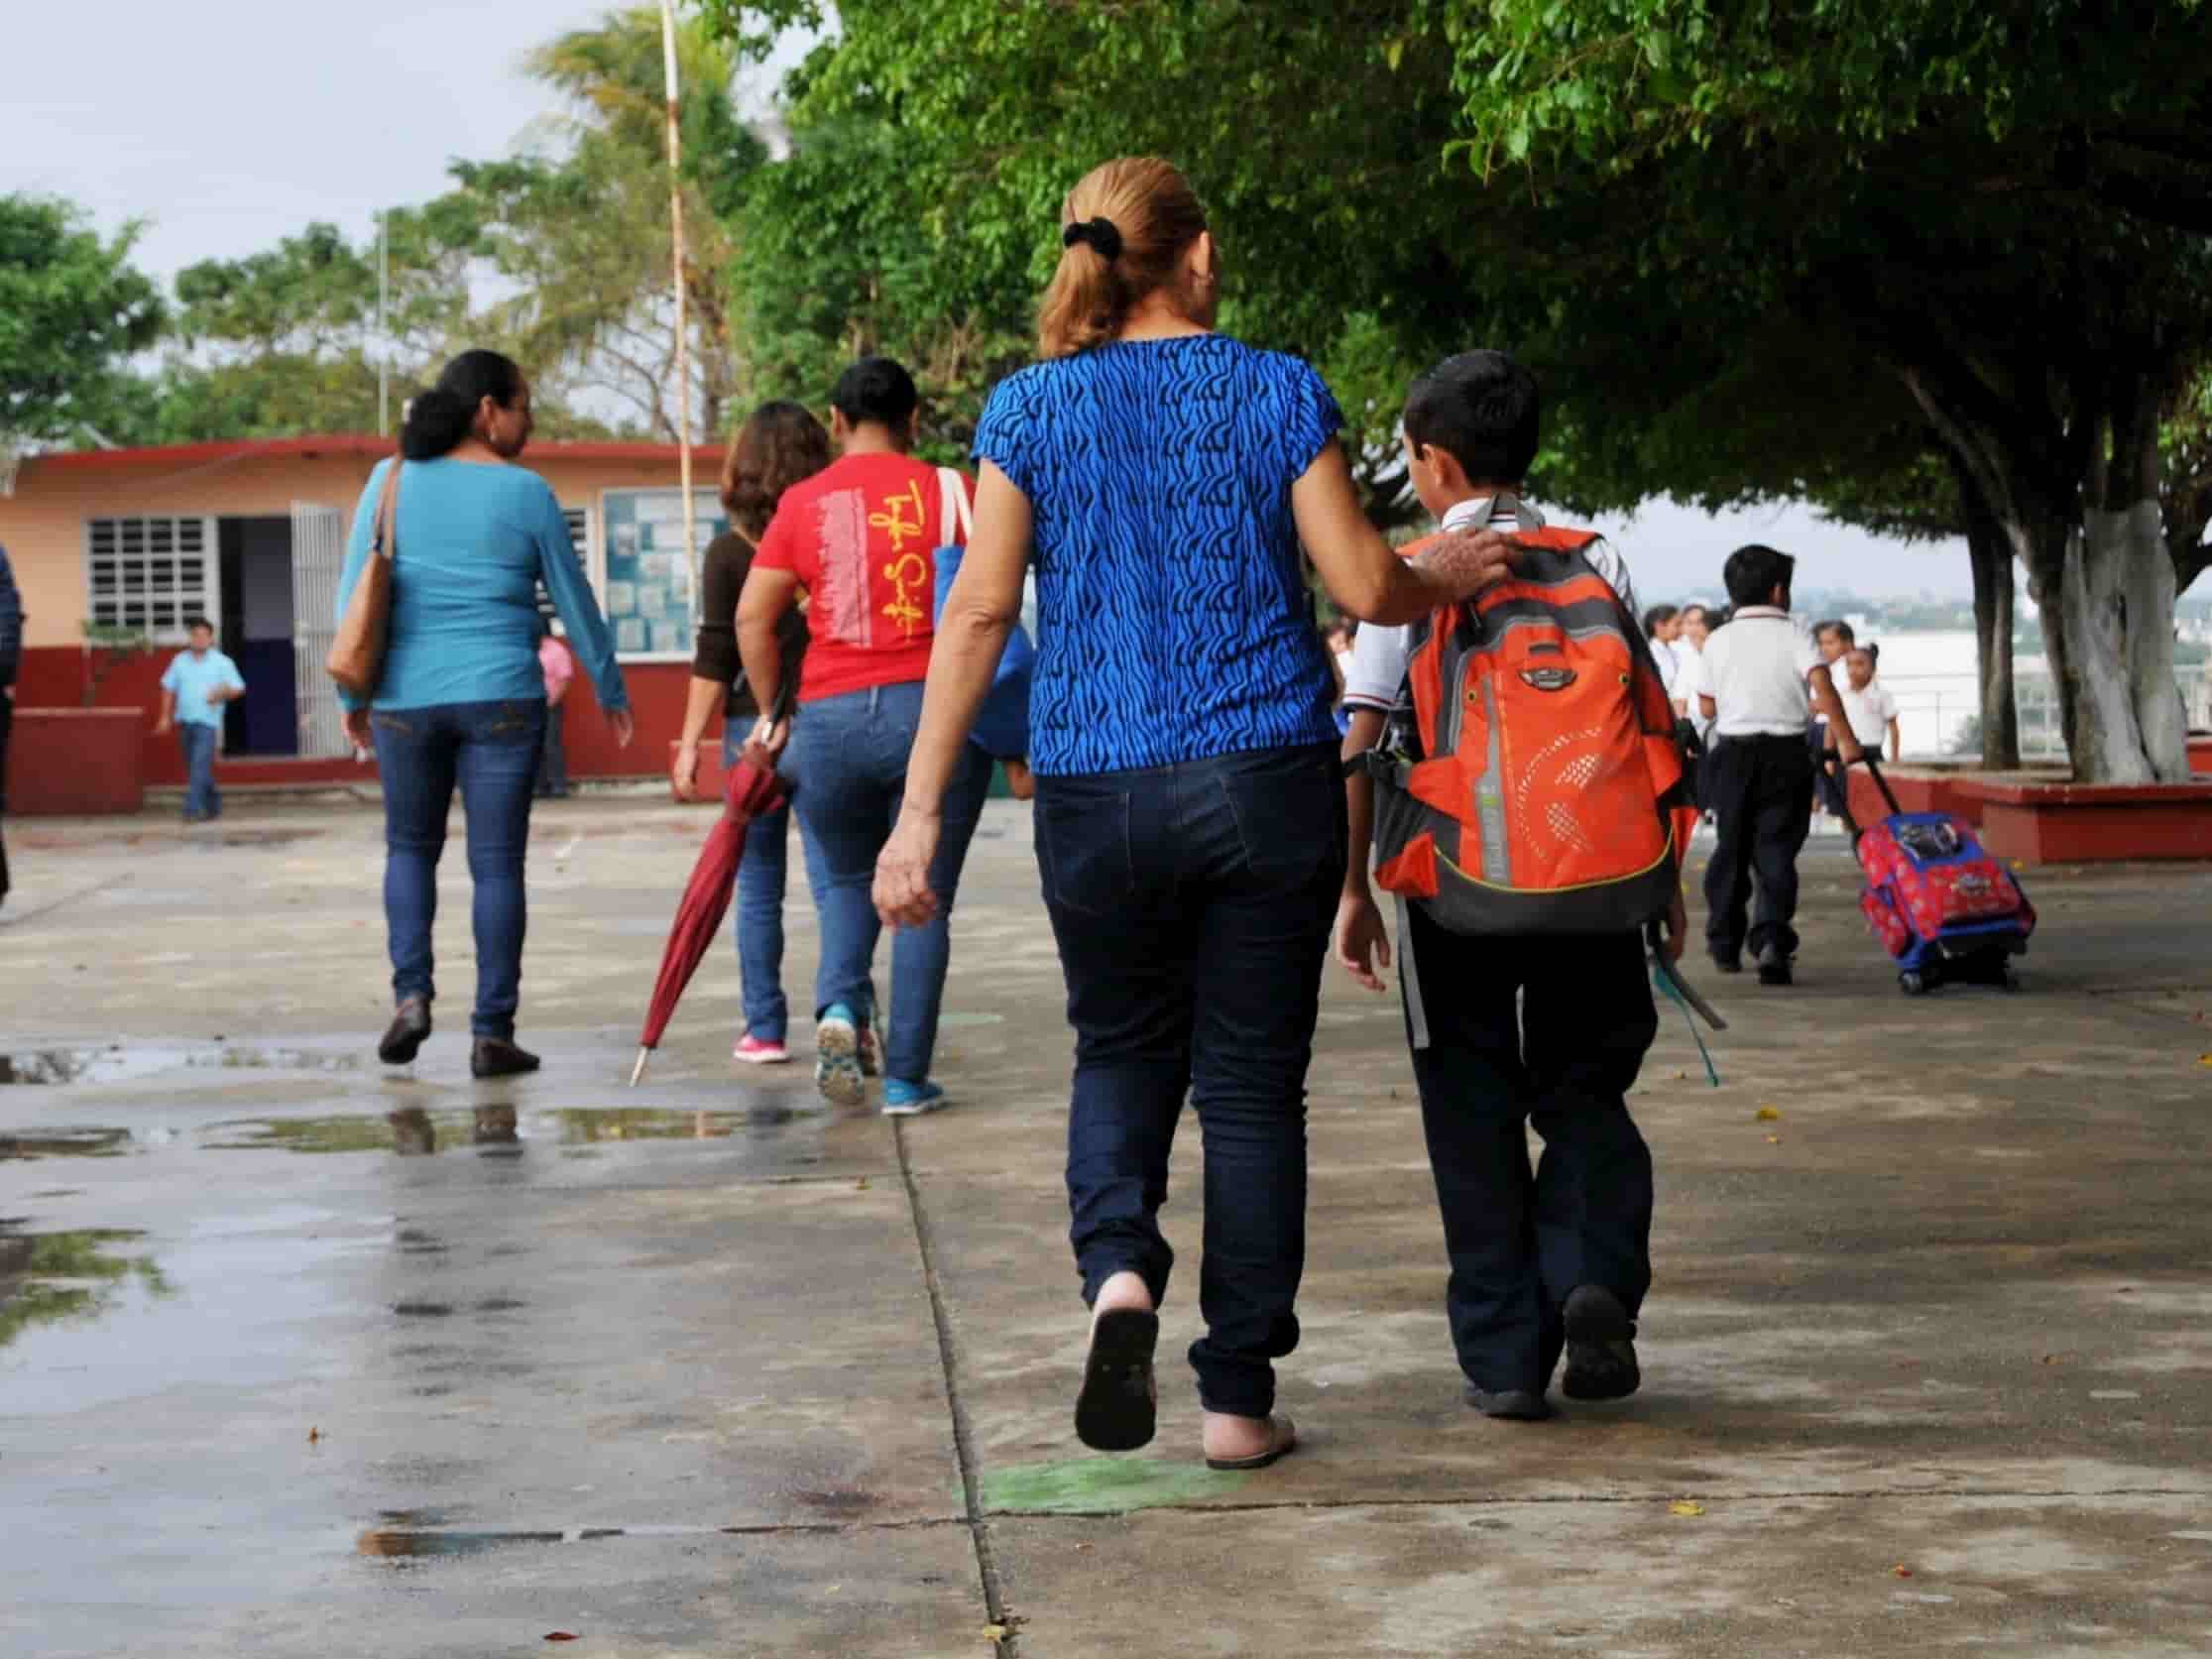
646, 572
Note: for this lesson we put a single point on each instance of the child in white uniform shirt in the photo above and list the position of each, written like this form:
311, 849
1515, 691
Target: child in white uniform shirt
1761, 677
1868, 704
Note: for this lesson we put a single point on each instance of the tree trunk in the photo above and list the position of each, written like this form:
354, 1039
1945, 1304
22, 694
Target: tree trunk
1992, 560
2118, 594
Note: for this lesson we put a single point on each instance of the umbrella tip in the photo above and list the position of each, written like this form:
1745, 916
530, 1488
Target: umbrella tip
639, 1070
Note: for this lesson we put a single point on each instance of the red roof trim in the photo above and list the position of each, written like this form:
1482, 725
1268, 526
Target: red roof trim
346, 445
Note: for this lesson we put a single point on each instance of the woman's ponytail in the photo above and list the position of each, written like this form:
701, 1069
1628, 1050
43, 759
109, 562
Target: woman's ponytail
436, 420
1124, 231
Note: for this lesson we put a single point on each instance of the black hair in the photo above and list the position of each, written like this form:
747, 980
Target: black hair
1657, 616
439, 419
1705, 611
1754, 572
1841, 627
191, 623
876, 389
1482, 408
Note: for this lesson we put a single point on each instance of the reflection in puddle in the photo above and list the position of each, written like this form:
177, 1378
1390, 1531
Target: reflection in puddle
47, 1277
65, 1144
120, 1062
404, 1538
414, 1132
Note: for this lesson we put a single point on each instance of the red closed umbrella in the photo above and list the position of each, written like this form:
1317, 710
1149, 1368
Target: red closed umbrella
752, 789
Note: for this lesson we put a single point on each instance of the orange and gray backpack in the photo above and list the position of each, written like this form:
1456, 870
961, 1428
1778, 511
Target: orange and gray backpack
1530, 780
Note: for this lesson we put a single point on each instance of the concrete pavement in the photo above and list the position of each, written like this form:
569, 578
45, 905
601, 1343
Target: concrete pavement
298, 1356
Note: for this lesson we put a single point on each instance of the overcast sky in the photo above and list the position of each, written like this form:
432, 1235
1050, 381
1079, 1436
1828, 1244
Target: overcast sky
232, 123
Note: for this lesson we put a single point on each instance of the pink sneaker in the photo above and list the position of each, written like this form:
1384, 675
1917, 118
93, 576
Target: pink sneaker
757, 1051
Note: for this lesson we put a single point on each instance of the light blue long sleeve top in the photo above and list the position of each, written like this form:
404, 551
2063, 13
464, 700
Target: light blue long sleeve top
474, 539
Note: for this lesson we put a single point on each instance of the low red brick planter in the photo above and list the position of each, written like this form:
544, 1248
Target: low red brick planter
2083, 823
70, 762
2201, 755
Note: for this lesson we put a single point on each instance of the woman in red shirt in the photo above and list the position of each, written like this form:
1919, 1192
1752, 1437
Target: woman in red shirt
860, 537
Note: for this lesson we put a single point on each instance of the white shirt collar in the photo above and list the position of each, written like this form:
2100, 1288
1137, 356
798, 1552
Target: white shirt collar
1761, 611
1478, 512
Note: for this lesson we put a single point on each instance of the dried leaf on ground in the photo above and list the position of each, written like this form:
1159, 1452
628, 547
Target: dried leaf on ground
562, 1636
1767, 1114
1684, 1507
1901, 1571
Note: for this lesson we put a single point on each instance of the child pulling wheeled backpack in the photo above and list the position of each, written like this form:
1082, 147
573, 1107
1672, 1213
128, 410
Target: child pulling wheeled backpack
1942, 905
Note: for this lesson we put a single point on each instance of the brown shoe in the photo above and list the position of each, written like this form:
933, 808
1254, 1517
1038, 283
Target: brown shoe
409, 1026
497, 1057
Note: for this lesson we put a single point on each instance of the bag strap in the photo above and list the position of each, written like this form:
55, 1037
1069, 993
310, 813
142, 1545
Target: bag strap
383, 538
953, 510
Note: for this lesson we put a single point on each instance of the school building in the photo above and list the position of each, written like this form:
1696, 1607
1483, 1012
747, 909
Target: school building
250, 534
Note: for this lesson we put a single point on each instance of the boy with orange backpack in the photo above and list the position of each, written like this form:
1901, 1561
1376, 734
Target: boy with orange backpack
1513, 762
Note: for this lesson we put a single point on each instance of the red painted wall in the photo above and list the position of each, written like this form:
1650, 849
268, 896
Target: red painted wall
54, 677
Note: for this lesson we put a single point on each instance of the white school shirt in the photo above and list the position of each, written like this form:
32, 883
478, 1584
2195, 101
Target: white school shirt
1870, 711
1376, 670
1670, 662
1755, 670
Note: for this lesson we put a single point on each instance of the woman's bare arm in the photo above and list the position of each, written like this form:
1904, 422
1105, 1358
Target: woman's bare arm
1363, 573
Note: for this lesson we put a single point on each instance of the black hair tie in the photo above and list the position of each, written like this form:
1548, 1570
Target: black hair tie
1100, 233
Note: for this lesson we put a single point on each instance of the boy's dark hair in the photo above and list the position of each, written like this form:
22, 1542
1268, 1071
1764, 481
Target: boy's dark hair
191, 623
1840, 628
1754, 572
1705, 611
876, 389
1657, 616
1484, 407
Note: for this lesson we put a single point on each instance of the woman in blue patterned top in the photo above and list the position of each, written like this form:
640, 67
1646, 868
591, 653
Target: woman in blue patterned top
1190, 809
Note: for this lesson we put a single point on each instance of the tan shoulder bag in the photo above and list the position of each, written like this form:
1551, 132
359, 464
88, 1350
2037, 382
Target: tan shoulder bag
356, 660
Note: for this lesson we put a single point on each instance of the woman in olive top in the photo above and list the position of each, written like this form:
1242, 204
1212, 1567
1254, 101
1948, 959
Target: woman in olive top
777, 446
462, 697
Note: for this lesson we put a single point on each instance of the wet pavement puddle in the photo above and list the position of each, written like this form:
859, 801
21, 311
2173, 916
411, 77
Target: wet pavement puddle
72, 1276
121, 1062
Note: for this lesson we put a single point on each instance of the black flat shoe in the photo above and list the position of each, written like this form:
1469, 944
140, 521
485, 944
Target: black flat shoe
409, 1026
1120, 1401
1509, 1406
1600, 1347
497, 1057
1729, 964
1774, 968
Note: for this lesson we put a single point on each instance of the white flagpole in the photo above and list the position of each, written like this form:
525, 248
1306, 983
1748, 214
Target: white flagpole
683, 340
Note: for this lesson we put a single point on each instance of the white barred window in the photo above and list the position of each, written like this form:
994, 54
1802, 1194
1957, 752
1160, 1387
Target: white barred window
148, 574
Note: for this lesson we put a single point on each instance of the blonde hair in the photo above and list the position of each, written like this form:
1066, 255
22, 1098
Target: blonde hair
1105, 274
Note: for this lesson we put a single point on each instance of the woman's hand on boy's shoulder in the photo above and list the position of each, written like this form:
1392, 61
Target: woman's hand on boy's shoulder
1466, 562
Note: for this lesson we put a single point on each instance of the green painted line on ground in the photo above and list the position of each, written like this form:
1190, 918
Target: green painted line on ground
1102, 1485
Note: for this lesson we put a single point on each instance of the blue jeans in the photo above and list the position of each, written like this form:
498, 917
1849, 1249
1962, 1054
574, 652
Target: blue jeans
1191, 904
759, 923
490, 750
201, 798
848, 768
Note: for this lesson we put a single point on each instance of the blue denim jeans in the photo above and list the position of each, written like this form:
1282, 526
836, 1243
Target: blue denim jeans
848, 768
1191, 904
201, 798
490, 750
759, 923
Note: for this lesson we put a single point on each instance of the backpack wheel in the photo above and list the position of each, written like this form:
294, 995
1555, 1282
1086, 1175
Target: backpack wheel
1912, 984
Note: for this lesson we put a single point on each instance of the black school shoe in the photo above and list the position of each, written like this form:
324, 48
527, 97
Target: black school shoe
1509, 1406
1600, 1347
1726, 962
409, 1026
497, 1057
1774, 966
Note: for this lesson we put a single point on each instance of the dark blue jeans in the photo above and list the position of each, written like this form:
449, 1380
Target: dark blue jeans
201, 798
848, 768
1549, 1031
1192, 906
758, 922
490, 750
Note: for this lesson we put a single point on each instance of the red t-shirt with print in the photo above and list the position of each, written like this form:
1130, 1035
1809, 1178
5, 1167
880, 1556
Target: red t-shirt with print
862, 536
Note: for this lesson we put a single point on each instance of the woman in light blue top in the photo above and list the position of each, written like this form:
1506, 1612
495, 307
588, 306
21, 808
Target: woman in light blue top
462, 699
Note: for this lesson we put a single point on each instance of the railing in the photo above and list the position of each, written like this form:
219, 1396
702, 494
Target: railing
1937, 714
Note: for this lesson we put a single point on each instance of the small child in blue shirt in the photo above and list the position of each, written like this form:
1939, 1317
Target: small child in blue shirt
194, 687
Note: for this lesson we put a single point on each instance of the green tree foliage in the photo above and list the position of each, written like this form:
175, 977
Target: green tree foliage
1751, 252
72, 311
